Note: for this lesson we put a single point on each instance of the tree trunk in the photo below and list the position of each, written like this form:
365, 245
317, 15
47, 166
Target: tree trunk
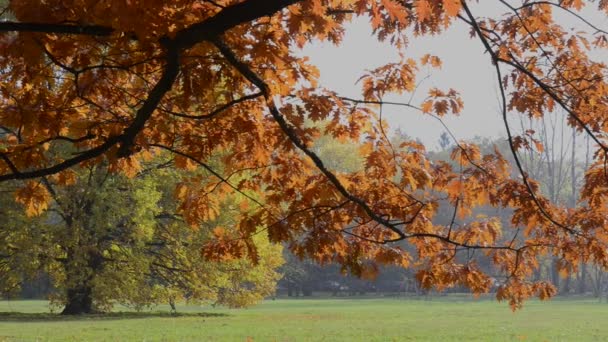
79, 301
79, 295
538, 273
582, 282
555, 278
565, 289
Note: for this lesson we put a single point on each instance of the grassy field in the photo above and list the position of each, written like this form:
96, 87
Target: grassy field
321, 320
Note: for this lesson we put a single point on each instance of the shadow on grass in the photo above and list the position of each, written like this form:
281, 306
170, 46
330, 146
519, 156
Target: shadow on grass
53, 317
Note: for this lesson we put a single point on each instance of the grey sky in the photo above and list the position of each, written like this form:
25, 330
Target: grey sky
466, 68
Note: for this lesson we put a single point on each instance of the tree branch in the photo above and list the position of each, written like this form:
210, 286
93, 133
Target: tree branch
224, 20
495, 60
90, 30
289, 131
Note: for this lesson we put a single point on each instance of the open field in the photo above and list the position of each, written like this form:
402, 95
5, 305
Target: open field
321, 320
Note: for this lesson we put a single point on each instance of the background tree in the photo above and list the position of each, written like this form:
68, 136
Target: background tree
108, 239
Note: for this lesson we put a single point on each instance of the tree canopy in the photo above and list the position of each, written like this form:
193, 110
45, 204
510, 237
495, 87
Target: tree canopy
85, 82
108, 239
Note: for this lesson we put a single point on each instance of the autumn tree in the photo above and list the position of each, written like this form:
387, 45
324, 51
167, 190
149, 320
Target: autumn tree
106, 239
118, 80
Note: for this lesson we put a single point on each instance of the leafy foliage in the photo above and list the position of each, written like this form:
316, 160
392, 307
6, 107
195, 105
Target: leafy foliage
205, 78
120, 240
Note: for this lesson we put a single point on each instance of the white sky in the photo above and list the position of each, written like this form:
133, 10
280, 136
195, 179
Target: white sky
466, 68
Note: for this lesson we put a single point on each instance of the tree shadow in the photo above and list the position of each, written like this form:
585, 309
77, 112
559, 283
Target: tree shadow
18, 317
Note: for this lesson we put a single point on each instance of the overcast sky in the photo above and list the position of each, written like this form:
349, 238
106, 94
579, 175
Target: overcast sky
466, 68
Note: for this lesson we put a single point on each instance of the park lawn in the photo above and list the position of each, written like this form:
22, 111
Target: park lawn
321, 320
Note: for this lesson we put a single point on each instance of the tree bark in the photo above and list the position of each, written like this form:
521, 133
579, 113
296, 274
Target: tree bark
565, 289
79, 296
79, 301
582, 285
555, 278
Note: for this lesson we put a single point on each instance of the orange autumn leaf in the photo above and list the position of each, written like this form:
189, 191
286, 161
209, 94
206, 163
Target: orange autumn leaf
452, 7
34, 197
423, 9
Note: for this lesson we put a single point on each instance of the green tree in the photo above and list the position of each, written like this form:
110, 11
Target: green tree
108, 238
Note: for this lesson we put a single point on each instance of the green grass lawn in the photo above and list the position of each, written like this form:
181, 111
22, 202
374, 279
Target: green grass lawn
321, 320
